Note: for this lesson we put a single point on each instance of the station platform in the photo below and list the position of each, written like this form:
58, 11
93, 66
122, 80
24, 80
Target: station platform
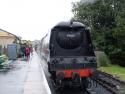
36, 82
24, 77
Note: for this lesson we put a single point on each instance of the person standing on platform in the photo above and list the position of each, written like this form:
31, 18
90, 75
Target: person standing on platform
27, 52
23, 50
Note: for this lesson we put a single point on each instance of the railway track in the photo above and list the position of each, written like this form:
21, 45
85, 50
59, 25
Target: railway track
95, 87
68, 90
101, 83
114, 85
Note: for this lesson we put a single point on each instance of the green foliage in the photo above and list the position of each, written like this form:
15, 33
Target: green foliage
102, 59
106, 18
3, 58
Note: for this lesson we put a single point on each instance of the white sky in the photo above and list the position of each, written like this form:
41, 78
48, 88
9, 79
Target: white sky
32, 19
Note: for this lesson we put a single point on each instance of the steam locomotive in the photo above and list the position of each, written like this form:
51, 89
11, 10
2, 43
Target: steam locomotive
72, 59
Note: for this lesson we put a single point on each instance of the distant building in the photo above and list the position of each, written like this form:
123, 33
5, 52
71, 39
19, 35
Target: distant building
7, 38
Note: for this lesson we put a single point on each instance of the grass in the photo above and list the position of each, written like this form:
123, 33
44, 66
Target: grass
115, 70
104, 64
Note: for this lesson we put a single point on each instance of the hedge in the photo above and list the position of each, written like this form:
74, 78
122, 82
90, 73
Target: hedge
102, 59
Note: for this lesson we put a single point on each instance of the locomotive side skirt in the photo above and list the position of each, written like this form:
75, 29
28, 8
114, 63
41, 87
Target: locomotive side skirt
60, 63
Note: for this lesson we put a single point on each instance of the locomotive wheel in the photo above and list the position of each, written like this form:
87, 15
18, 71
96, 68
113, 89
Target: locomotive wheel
85, 83
53, 75
57, 84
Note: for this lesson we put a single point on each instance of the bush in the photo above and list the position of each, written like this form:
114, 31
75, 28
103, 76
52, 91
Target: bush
102, 59
3, 58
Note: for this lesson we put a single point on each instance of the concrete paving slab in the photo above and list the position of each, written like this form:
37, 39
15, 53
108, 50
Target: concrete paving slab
24, 77
36, 82
12, 78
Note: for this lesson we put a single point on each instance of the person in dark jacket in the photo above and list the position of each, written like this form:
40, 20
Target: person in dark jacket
23, 50
27, 52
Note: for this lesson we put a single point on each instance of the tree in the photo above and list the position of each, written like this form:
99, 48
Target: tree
106, 18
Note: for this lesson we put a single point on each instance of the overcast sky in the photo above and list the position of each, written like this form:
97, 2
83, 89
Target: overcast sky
32, 19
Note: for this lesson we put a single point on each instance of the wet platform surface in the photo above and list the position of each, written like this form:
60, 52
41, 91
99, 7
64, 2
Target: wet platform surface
24, 77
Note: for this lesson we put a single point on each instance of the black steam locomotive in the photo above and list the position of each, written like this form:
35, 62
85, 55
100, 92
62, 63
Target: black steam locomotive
72, 59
